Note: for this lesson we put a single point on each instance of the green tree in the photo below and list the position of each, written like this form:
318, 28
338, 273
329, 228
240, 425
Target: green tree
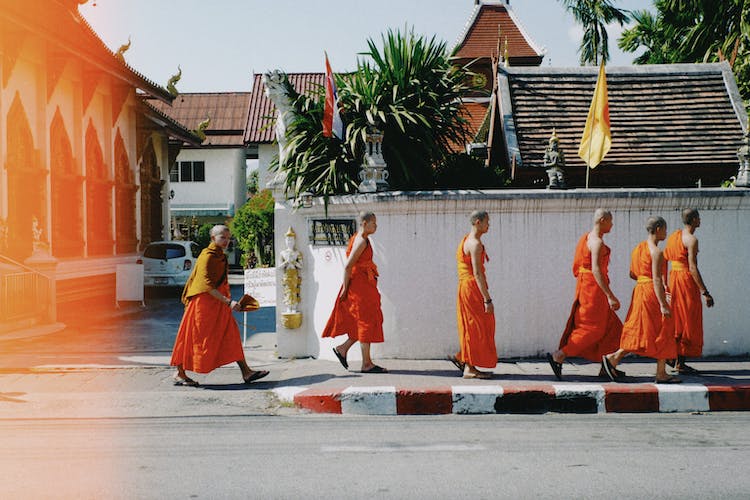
252, 227
203, 235
410, 90
692, 31
593, 16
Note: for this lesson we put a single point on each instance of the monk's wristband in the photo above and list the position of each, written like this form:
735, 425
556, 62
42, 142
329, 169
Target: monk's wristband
706, 294
488, 301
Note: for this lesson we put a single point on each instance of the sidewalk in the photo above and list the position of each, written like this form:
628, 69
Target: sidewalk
528, 386
140, 385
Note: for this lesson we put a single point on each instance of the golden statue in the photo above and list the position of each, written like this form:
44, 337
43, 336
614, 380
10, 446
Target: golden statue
291, 266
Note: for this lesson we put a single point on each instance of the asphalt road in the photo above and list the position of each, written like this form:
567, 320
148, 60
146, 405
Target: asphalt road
512, 456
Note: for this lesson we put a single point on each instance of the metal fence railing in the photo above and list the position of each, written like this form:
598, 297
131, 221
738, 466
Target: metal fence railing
24, 293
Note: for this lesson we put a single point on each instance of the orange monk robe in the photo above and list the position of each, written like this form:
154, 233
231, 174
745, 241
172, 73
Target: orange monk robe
646, 332
687, 308
593, 328
360, 315
476, 328
208, 336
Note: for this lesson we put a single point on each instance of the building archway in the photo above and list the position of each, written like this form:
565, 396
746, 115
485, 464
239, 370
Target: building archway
125, 189
67, 193
151, 199
98, 197
27, 181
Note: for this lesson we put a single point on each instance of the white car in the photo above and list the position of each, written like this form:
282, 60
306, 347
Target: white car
168, 263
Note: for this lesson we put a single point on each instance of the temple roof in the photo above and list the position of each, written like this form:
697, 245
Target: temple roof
262, 113
60, 23
176, 130
228, 112
681, 118
480, 35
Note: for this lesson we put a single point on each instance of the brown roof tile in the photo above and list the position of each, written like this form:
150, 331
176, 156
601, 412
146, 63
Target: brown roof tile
480, 36
262, 113
228, 112
666, 118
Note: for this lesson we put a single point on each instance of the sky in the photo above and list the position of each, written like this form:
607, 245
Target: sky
220, 44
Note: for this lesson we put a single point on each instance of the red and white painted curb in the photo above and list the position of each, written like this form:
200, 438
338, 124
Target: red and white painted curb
527, 398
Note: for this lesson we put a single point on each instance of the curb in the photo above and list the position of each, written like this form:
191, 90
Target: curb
536, 398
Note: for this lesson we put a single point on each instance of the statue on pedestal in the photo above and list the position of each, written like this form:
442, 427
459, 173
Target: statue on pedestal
279, 91
743, 155
554, 162
291, 267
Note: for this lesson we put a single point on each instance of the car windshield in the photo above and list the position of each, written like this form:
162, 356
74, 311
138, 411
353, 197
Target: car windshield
164, 251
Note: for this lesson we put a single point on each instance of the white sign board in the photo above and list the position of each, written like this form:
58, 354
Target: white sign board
129, 279
261, 284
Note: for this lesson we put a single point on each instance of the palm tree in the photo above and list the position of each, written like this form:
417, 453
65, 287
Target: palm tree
694, 31
593, 16
410, 90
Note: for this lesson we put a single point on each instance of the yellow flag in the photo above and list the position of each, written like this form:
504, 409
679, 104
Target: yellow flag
597, 138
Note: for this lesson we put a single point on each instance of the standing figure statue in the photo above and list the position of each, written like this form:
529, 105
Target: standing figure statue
36, 231
554, 162
280, 92
291, 266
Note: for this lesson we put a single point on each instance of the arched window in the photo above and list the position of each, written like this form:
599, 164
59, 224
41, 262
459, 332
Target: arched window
151, 200
98, 198
67, 194
125, 189
27, 182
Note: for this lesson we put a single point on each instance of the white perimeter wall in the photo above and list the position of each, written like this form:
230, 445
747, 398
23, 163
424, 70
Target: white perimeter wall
530, 244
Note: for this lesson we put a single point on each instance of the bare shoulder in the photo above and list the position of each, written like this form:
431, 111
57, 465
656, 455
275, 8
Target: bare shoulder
689, 239
594, 242
472, 245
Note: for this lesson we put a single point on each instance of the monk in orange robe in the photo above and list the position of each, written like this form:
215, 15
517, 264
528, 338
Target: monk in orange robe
686, 286
475, 312
649, 328
357, 310
593, 328
208, 336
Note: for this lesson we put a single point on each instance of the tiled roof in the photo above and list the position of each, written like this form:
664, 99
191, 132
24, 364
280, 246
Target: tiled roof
228, 112
175, 129
480, 36
63, 26
671, 124
475, 113
261, 118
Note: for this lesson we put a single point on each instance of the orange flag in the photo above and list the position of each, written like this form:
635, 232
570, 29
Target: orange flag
597, 138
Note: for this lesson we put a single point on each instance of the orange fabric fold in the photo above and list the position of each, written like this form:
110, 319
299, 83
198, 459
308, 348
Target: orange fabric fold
687, 308
476, 328
208, 336
646, 332
360, 315
593, 328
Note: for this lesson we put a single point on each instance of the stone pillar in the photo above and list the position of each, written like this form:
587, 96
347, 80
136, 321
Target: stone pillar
374, 173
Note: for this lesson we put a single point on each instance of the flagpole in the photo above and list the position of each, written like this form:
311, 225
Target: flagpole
588, 160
